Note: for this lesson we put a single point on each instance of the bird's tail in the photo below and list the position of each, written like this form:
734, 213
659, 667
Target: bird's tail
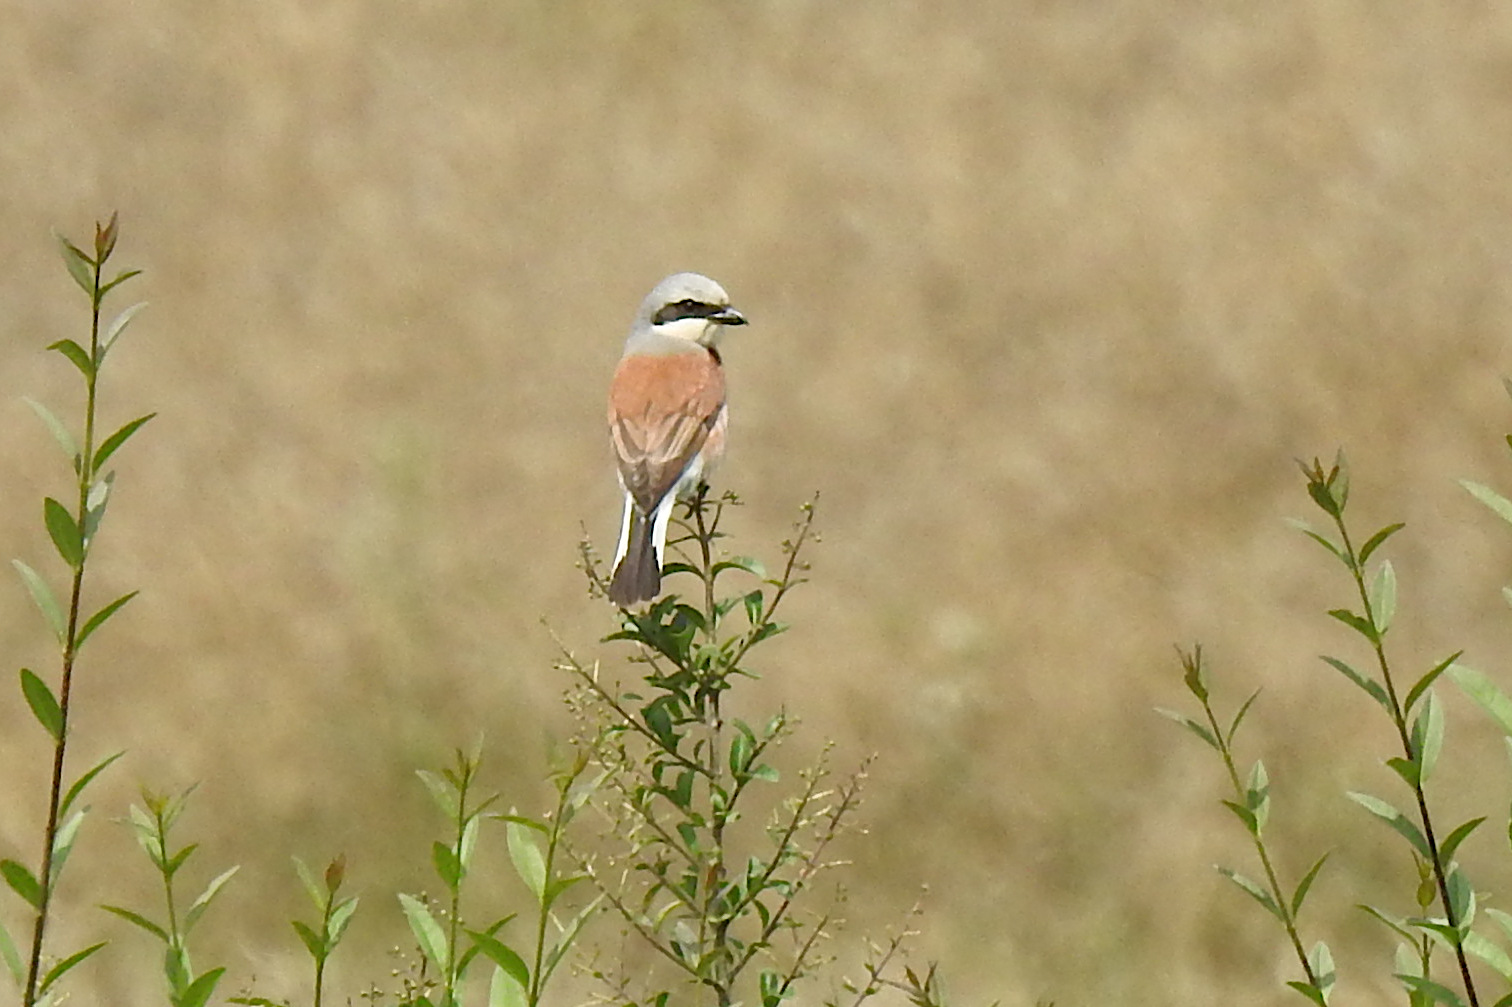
637, 575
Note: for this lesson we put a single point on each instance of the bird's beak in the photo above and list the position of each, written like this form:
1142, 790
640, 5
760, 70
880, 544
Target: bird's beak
728, 316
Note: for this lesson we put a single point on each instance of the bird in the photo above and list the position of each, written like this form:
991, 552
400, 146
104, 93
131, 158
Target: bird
667, 420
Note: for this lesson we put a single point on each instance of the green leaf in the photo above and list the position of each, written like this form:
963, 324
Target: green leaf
313, 889
1489, 952
118, 326
1370, 685
1357, 623
1479, 687
1190, 725
1503, 919
529, 864
63, 841
1322, 962
1428, 735
1396, 923
1305, 885
1434, 991
427, 931
1462, 900
1383, 597
1427, 680
120, 279
1394, 818
1254, 891
85, 780
77, 355
22, 882
1306, 529
340, 917
1244, 708
43, 596
503, 956
80, 266
448, 867
200, 991
1308, 990
98, 619
57, 971
504, 991
314, 943
1257, 795
139, 920
64, 531
58, 429
1407, 770
440, 791
11, 957
1374, 542
1492, 499
44, 706
112, 443
197, 909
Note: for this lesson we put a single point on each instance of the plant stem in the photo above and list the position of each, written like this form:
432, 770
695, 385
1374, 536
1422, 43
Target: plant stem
85, 472
1399, 718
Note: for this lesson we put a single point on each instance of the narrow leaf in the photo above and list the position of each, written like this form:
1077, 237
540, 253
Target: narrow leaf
1305, 529
85, 780
197, 909
58, 429
1305, 885
118, 326
79, 264
503, 956
1370, 685
11, 957
1394, 818
43, 704
43, 596
22, 882
200, 991
314, 943
98, 619
64, 531
120, 279
1244, 708
77, 355
1492, 499
1479, 687
1489, 952
1383, 597
528, 861
1357, 623
448, 867
139, 920
1254, 891
1422, 684
1374, 542
1428, 735
427, 931
1434, 991
57, 971
109, 446
1190, 725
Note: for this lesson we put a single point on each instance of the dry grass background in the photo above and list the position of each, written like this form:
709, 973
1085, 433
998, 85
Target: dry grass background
1045, 299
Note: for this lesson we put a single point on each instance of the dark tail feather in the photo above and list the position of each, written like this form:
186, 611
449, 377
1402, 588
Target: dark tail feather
638, 576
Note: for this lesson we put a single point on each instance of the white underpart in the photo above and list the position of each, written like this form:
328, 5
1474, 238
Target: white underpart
694, 330
624, 539
685, 486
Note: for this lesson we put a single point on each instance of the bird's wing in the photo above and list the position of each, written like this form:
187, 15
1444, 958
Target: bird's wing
661, 409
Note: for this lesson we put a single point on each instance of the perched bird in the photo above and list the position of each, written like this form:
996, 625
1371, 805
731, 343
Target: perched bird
667, 419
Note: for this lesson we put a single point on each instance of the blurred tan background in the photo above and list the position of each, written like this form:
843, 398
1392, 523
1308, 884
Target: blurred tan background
1045, 300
